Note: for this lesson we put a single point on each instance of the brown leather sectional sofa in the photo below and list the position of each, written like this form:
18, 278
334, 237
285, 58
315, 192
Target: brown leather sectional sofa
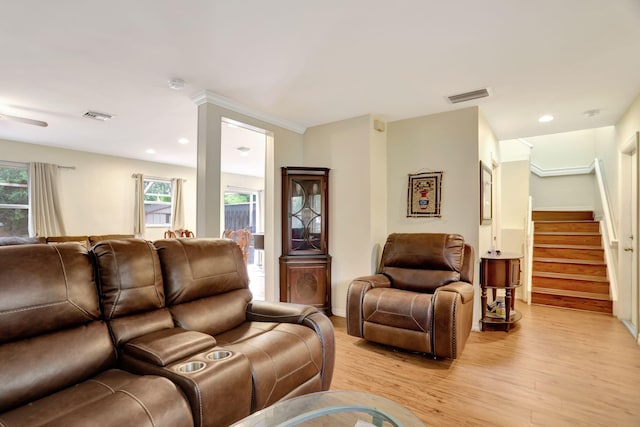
137, 333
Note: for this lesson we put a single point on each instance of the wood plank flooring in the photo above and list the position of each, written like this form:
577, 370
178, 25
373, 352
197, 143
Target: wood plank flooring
556, 367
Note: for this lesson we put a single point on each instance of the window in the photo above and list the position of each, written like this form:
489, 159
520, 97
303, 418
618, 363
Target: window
14, 199
240, 207
157, 202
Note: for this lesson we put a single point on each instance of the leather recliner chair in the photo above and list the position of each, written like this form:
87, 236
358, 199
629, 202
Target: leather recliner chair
422, 297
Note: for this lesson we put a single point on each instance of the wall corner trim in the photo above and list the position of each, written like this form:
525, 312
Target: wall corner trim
575, 170
206, 96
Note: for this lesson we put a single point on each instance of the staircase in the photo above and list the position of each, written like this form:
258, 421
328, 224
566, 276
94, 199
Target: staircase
568, 262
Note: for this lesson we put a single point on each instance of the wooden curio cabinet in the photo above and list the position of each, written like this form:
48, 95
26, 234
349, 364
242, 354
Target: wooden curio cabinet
305, 264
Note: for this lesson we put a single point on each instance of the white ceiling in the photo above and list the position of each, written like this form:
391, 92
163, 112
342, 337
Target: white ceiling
309, 63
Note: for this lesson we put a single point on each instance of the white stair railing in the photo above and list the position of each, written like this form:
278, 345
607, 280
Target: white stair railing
604, 200
528, 253
608, 231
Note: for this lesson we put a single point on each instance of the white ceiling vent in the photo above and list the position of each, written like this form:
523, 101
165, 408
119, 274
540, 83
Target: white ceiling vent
468, 96
97, 116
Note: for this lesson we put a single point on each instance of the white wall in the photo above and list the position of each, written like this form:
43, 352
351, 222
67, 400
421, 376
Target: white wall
489, 153
378, 188
445, 142
347, 149
606, 152
626, 129
629, 123
97, 197
235, 181
515, 194
576, 149
562, 150
571, 192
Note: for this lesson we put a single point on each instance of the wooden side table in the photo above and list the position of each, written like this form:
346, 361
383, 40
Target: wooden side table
500, 271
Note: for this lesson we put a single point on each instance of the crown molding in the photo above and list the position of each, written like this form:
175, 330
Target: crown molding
207, 96
576, 170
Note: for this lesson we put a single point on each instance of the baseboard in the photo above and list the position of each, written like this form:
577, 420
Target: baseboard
340, 312
630, 328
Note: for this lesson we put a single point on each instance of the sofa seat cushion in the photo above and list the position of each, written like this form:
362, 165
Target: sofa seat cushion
112, 398
397, 308
283, 357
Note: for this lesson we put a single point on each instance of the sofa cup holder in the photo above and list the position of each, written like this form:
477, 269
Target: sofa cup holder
219, 355
191, 367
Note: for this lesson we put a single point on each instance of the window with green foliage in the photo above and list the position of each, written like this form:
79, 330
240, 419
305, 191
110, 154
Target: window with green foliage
14, 200
232, 198
157, 202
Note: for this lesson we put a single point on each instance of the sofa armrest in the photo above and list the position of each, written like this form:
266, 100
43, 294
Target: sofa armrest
282, 312
311, 317
452, 318
355, 295
166, 346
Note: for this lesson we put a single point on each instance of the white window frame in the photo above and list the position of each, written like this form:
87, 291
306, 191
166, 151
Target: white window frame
27, 207
148, 182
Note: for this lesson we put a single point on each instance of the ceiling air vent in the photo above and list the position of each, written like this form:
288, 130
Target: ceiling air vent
468, 96
97, 116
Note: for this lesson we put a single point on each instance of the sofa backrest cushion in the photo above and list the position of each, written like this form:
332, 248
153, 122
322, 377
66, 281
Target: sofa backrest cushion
44, 288
200, 267
50, 335
131, 287
129, 277
100, 238
206, 283
422, 262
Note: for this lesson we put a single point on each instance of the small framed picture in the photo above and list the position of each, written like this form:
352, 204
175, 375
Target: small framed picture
486, 201
424, 197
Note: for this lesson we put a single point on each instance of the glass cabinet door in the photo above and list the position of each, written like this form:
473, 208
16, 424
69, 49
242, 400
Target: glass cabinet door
306, 215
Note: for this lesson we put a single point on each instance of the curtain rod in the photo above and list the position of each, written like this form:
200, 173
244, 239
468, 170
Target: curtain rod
155, 178
12, 163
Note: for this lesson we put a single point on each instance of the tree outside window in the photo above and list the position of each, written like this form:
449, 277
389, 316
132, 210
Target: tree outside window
157, 202
14, 200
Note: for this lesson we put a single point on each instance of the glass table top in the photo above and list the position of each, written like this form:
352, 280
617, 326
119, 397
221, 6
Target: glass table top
333, 408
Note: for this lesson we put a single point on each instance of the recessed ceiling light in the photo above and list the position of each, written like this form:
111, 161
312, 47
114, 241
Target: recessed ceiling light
183, 141
244, 151
150, 151
546, 118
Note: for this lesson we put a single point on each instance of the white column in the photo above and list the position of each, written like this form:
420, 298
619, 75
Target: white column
209, 197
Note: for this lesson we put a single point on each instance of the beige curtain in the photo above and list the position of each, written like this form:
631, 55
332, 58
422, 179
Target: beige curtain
138, 207
177, 209
45, 219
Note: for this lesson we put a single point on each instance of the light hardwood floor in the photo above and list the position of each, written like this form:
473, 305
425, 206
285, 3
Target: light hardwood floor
557, 367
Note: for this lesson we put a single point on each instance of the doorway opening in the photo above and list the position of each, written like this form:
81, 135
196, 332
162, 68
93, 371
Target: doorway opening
243, 187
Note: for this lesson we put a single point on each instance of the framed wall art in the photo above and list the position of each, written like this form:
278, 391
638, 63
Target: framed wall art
486, 202
425, 195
